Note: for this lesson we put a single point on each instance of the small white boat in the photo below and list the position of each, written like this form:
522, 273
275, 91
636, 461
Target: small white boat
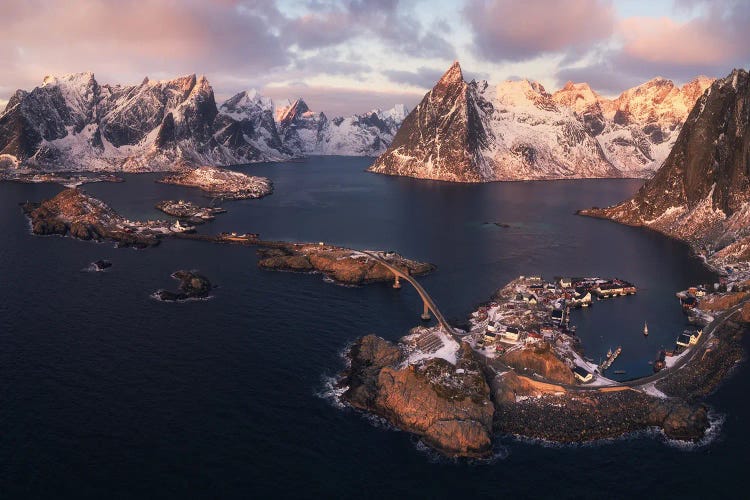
645, 329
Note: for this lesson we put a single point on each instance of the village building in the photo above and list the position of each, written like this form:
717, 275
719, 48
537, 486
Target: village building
557, 316
511, 335
582, 375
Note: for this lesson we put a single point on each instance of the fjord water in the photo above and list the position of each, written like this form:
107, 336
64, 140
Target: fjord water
106, 391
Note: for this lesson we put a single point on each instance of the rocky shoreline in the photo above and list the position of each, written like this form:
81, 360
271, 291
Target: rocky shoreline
447, 404
73, 213
429, 376
342, 265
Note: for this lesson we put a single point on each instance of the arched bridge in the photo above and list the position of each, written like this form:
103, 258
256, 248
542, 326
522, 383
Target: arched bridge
429, 304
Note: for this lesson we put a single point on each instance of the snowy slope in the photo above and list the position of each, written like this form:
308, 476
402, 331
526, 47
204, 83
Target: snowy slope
307, 133
518, 131
71, 122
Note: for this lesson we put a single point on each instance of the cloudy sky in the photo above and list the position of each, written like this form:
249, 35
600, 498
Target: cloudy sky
352, 55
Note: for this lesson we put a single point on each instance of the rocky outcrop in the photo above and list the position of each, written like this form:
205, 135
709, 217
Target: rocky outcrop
447, 405
74, 213
342, 265
192, 286
718, 303
474, 132
222, 183
542, 360
700, 194
588, 416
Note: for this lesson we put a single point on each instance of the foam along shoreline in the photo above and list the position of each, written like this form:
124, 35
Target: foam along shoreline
526, 388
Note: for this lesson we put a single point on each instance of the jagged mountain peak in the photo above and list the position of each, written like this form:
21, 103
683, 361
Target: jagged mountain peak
518, 131
577, 96
452, 76
75, 79
246, 101
287, 114
524, 93
396, 113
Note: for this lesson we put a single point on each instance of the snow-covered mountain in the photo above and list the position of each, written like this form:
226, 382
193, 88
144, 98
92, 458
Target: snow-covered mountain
73, 123
474, 132
637, 129
308, 133
701, 194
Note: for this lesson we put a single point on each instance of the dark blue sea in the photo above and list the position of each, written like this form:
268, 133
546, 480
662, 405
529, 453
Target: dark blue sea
107, 393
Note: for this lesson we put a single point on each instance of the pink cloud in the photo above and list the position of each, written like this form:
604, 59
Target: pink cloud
124, 40
695, 42
509, 30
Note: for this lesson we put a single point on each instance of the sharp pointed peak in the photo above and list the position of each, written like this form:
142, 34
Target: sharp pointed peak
453, 75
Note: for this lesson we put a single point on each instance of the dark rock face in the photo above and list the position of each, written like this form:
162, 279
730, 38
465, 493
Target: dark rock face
192, 286
701, 189
446, 131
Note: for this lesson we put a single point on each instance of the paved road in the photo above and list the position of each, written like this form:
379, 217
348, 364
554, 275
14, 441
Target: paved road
708, 330
496, 364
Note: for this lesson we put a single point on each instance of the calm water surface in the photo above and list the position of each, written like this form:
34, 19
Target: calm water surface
106, 392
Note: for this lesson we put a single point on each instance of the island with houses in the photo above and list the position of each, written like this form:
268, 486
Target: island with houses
519, 370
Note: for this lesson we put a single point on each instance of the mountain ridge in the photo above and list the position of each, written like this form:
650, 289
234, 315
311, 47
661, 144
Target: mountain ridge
702, 192
71, 122
525, 133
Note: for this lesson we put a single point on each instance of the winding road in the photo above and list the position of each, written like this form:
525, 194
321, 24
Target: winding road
638, 384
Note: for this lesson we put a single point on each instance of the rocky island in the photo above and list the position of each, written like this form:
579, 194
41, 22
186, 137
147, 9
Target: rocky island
189, 211
74, 213
342, 265
192, 286
519, 370
222, 183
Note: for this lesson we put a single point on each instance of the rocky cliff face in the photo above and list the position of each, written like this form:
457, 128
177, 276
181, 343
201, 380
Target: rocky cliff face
74, 123
444, 136
638, 129
447, 404
472, 132
701, 194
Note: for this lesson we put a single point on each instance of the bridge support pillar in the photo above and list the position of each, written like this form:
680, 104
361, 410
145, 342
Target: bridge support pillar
426, 314
396, 282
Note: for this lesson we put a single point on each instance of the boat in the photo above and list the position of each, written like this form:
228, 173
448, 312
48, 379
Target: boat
619, 372
645, 329
611, 356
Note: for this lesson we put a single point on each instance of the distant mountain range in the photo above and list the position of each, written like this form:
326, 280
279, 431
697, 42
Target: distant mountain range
465, 132
702, 192
474, 132
72, 122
